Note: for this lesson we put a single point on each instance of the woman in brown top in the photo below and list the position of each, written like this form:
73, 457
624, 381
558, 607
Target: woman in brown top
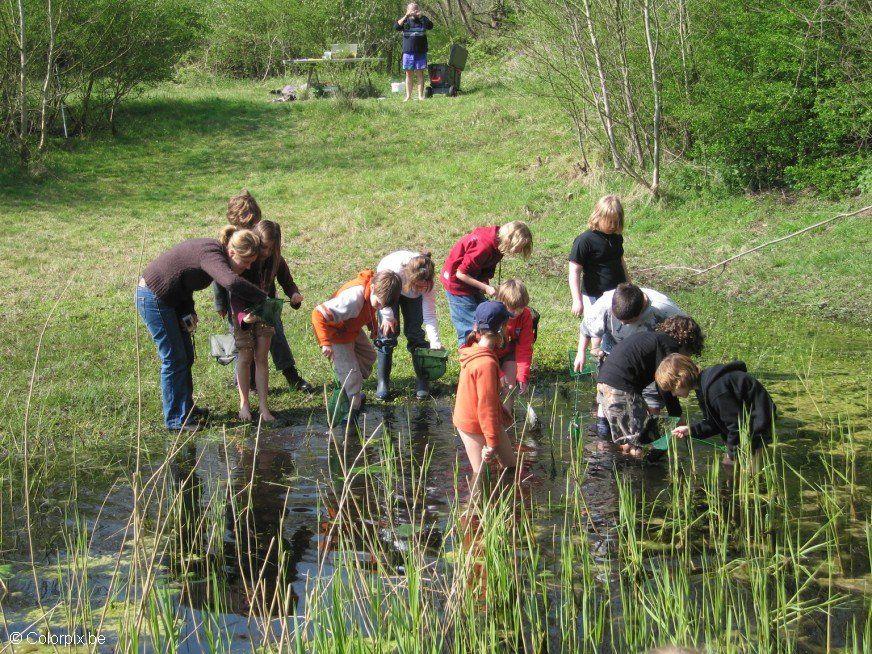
165, 301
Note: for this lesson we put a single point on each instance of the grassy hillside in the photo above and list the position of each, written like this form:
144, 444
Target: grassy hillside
350, 183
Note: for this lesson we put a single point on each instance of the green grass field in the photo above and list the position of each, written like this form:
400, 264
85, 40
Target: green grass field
350, 183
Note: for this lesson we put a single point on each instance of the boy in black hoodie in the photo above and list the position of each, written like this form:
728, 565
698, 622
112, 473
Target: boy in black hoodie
629, 369
730, 400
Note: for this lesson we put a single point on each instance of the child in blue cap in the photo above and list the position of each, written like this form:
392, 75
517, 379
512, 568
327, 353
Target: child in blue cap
478, 411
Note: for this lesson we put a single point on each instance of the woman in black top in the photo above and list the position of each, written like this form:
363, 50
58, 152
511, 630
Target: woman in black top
165, 301
597, 255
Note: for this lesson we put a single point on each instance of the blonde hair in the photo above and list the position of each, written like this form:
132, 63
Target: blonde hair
677, 371
515, 238
608, 215
387, 286
244, 242
420, 269
243, 210
513, 293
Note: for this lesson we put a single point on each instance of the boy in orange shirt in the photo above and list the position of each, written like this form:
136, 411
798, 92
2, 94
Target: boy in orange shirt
339, 324
479, 415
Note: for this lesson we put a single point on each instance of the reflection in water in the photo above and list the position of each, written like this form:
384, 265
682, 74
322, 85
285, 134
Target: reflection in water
262, 520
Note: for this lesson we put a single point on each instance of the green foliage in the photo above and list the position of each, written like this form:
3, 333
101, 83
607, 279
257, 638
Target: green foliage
779, 92
251, 37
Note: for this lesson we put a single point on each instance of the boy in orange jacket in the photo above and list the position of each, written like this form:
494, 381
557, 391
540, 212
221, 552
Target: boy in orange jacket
516, 355
339, 324
479, 415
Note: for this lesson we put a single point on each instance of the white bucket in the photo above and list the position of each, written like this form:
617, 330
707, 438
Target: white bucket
398, 87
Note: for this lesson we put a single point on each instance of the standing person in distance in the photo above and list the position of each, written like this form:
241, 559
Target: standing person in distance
414, 26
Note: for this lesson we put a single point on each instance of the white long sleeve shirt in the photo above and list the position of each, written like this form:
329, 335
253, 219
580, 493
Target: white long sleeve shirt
396, 262
346, 305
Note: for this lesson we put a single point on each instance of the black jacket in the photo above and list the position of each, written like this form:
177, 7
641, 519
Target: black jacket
728, 396
414, 34
633, 361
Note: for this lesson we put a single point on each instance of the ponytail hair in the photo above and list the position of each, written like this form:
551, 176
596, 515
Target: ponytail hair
420, 269
243, 242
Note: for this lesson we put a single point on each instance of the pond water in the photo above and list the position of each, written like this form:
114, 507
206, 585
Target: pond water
254, 521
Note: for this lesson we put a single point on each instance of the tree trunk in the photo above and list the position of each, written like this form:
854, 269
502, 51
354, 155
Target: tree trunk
47, 82
655, 86
684, 49
22, 84
606, 106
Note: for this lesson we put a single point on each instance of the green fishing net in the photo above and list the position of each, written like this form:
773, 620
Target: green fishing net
430, 364
269, 311
589, 364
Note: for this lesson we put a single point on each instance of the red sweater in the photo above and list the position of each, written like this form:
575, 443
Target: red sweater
477, 409
477, 255
519, 335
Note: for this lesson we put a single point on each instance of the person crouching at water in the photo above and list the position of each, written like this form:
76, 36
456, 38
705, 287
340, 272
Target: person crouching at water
733, 403
479, 415
165, 302
339, 324
417, 304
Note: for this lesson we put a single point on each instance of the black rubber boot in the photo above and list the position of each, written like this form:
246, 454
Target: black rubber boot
422, 387
296, 382
384, 362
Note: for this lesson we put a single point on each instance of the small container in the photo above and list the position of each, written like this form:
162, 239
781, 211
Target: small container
398, 87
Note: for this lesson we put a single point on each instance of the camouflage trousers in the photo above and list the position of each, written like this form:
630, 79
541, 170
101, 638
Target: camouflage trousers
628, 416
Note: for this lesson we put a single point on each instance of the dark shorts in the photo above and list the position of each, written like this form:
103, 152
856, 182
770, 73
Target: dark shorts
414, 61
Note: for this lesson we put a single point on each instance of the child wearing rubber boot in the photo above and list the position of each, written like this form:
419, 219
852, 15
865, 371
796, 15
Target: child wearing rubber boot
339, 324
629, 371
417, 307
733, 403
479, 416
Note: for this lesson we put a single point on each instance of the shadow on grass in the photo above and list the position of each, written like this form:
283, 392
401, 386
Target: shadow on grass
161, 141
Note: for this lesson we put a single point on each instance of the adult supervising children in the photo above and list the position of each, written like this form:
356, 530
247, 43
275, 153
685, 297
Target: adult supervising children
414, 26
165, 301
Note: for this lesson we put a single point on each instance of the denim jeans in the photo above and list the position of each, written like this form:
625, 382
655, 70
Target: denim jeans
412, 310
176, 351
462, 310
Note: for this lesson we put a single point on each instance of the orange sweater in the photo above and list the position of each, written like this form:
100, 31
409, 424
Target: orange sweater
346, 331
478, 409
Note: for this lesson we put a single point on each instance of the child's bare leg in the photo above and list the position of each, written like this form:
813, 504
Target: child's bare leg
408, 86
473, 444
420, 74
261, 376
243, 381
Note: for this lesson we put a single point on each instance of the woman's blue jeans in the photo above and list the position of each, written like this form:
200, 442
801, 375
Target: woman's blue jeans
176, 351
462, 310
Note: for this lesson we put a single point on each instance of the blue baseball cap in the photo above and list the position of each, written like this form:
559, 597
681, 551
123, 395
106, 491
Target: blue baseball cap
491, 316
